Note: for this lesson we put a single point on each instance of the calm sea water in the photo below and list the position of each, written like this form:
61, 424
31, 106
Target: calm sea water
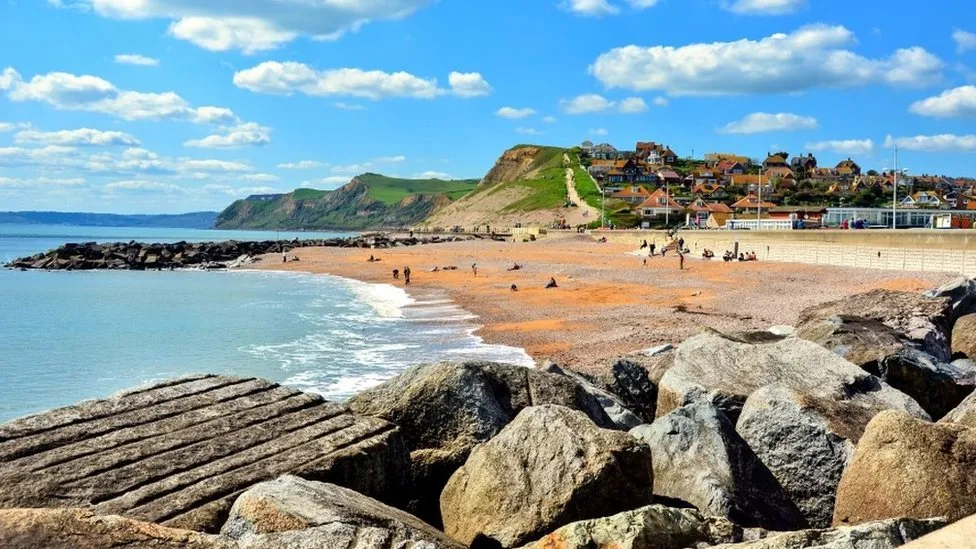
70, 336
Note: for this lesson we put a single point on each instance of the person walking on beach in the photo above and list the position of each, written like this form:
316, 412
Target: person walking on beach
652, 248
681, 244
396, 274
284, 256
406, 275
474, 269
681, 260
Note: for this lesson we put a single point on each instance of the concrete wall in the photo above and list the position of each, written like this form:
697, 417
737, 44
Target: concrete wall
910, 250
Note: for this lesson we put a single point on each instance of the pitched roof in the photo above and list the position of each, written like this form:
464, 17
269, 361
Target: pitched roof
668, 174
752, 201
631, 192
653, 201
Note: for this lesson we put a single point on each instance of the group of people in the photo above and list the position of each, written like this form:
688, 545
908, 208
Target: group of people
474, 269
730, 256
406, 275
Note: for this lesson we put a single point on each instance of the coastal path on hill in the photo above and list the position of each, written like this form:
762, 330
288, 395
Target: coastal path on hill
585, 213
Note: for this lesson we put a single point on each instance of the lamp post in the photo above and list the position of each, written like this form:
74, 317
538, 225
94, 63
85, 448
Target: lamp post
894, 194
759, 201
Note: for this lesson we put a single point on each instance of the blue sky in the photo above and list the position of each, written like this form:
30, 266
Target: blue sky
179, 105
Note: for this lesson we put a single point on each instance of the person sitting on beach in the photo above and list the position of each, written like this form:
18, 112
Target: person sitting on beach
742, 256
372, 259
515, 267
514, 288
396, 274
602, 239
435, 270
708, 254
664, 252
552, 284
644, 245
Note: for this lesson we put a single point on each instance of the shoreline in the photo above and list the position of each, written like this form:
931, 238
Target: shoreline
608, 304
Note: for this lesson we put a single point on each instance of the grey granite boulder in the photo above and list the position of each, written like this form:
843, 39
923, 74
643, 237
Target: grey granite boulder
964, 413
179, 452
612, 404
885, 534
882, 351
924, 320
443, 410
725, 371
904, 467
309, 511
961, 293
549, 467
700, 459
806, 442
631, 381
651, 527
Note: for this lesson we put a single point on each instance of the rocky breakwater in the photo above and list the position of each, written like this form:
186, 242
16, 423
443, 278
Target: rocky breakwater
139, 256
742, 441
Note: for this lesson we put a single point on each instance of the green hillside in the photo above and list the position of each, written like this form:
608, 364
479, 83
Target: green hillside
369, 201
543, 182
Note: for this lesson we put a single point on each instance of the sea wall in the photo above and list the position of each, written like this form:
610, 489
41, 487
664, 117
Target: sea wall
910, 250
138, 256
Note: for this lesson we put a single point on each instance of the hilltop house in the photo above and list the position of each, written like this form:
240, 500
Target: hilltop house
730, 167
804, 164
633, 194
628, 171
847, 168
668, 176
658, 204
604, 151
713, 191
587, 147
774, 161
713, 159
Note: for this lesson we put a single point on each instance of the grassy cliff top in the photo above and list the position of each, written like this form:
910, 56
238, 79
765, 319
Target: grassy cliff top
391, 190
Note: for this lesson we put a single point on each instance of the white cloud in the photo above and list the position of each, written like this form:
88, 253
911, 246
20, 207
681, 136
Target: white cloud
965, 41
470, 84
332, 182
390, 159
242, 135
950, 103
661, 101
81, 136
15, 183
72, 92
139, 185
259, 177
527, 131
850, 147
342, 105
809, 58
286, 78
597, 8
138, 161
761, 122
587, 103
934, 143
600, 132
353, 169
514, 113
302, 165
550, 120
11, 126
764, 7
50, 156
431, 174
257, 25
633, 105
136, 59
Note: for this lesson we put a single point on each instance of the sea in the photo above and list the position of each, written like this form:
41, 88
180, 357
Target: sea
72, 336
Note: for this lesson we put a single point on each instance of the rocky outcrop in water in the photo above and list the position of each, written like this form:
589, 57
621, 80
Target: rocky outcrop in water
139, 256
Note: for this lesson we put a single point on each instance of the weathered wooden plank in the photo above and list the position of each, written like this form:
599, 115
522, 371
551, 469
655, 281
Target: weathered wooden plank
96, 409
32, 444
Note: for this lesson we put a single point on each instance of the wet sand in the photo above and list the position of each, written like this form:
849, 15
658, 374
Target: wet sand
608, 303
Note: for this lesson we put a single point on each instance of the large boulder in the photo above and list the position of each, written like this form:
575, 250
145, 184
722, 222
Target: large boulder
700, 459
964, 337
964, 413
443, 410
612, 404
958, 535
313, 510
806, 442
885, 534
725, 371
549, 467
882, 351
924, 320
630, 381
651, 527
904, 467
82, 528
960, 292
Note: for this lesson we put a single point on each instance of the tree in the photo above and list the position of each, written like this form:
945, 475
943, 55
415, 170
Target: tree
873, 173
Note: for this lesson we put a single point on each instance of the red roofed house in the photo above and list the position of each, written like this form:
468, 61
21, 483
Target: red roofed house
659, 203
751, 203
699, 211
633, 194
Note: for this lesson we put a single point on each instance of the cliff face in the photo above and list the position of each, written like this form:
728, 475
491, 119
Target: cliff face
351, 207
512, 165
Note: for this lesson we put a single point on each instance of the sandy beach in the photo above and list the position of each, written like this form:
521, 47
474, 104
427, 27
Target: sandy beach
608, 303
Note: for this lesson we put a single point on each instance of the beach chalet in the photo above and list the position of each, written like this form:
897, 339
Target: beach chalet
633, 194
658, 204
750, 204
811, 216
